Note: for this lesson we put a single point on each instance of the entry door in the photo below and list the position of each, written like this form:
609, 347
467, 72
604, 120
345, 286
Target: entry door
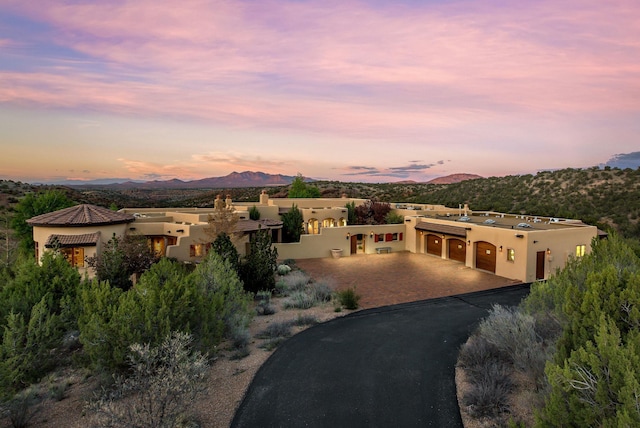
540, 265
354, 244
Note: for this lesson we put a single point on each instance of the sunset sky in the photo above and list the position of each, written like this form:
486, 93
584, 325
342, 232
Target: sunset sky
374, 90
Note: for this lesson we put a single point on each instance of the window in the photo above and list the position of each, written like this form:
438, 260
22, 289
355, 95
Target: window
74, 255
197, 250
580, 250
511, 255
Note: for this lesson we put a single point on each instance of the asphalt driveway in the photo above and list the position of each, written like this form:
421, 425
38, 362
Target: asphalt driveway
382, 367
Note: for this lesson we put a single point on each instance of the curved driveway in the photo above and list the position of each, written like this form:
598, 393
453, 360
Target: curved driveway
383, 367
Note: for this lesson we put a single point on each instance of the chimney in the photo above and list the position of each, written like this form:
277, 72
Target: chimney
264, 198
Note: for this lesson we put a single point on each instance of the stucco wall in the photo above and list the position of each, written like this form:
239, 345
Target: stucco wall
318, 246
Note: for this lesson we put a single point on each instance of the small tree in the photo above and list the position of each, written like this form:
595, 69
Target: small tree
109, 265
292, 222
33, 205
259, 266
351, 210
394, 218
372, 212
300, 189
224, 247
121, 258
223, 220
254, 213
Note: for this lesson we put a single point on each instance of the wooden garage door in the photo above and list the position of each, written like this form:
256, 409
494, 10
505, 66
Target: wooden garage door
457, 250
434, 245
486, 256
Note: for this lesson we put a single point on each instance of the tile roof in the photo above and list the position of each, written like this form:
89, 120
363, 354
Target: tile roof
61, 241
81, 215
442, 228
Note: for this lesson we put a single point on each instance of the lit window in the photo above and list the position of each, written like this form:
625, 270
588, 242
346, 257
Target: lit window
74, 255
511, 255
197, 250
580, 250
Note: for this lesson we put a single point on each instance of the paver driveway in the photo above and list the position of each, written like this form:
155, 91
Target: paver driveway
383, 367
388, 279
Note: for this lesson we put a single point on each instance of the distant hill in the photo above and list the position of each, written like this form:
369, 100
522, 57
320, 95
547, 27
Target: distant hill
233, 180
454, 178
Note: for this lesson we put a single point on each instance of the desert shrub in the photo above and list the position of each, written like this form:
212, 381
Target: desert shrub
321, 290
489, 390
22, 408
240, 338
264, 306
348, 298
271, 344
289, 262
478, 352
275, 330
162, 384
58, 390
283, 269
281, 288
304, 320
299, 300
296, 281
513, 332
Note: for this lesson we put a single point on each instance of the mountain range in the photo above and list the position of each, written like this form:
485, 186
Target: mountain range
237, 179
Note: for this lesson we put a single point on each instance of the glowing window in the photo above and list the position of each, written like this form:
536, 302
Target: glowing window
580, 250
511, 255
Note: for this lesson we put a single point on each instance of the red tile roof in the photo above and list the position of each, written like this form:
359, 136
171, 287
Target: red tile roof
60, 241
81, 215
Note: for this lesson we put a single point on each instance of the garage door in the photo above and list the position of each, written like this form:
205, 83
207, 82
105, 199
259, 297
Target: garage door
486, 256
434, 245
457, 250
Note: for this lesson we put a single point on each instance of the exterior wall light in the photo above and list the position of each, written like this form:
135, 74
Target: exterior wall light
348, 235
371, 234
548, 251
468, 242
500, 248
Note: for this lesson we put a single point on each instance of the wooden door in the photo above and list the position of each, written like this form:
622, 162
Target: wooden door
540, 265
457, 250
486, 256
434, 245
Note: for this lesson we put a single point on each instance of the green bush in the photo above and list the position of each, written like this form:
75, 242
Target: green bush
348, 298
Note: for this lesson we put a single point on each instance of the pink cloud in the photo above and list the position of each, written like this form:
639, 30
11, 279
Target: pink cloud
341, 67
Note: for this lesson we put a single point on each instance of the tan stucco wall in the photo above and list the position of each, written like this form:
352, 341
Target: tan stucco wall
41, 235
318, 246
560, 239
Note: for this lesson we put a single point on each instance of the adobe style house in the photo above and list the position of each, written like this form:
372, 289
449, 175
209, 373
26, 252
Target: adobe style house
525, 248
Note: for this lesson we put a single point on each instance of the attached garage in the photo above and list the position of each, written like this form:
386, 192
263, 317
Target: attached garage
434, 245
486, 256
457, 250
